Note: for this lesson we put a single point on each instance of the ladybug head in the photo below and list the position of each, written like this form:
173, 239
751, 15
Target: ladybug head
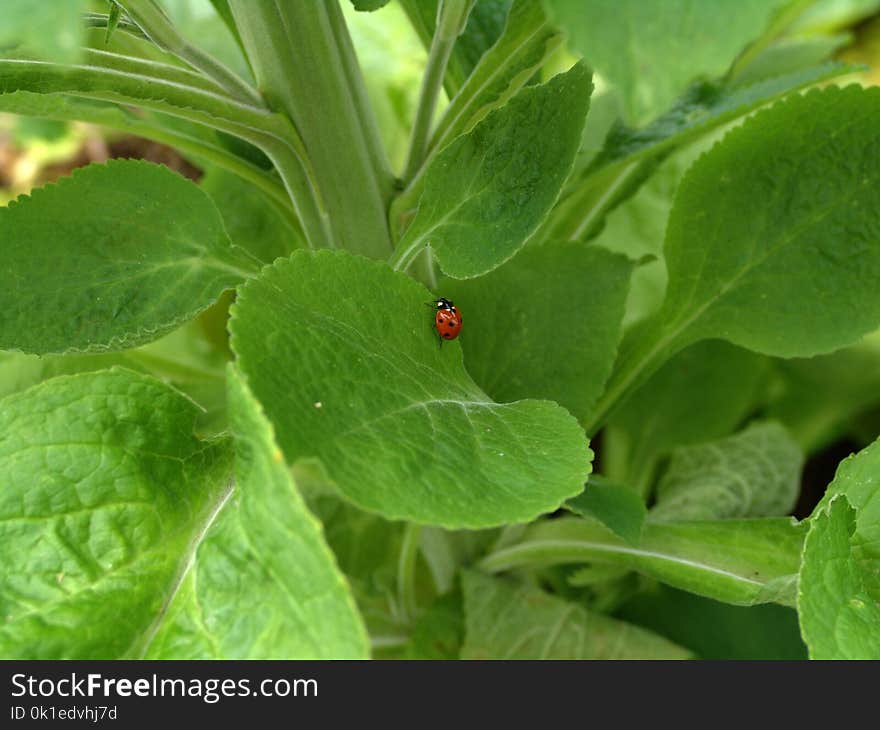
442, 303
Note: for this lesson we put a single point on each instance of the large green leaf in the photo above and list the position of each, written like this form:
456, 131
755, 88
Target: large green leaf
840, 618
106, 494
651, 49
264, 543
794, 277
755, 473
50, 29
736, 561
110, 258
343, 355
504, 620
716, 630
545, 324
701, 394
488, 190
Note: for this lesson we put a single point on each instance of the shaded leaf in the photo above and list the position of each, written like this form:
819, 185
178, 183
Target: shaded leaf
508, 621
714, 630
701, 394
545, 324
252, 221
638, 45
818, 398
755, 473
49, 29
618, 507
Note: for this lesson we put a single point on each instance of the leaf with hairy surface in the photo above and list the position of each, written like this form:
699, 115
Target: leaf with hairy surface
110, 258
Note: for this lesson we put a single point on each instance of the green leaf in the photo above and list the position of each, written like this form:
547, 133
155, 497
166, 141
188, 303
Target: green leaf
858, 478
839, 615
368, 6
343, 355
714, 630
701, 394
787, 55
619, 508
812, 224
251, 219
439, 632
630, 155
110, 258
508, 621
264, 543
106, 495
183, 359
755, 473
828, 16
546, 324
736, 561
488, 190
640, 46
796, 276
506, 67
819, 397
50, 29
368, 549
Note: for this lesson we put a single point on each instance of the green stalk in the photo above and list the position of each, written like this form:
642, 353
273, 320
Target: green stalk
151, 19
64, 108
451, 19
305, 68
270, 132
406, 570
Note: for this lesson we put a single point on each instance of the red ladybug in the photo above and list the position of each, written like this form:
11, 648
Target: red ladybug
447, 320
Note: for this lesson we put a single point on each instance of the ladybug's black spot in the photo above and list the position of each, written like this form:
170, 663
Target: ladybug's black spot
447, 335
451, 324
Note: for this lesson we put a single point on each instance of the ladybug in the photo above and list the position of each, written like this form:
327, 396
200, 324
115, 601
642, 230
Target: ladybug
447, 320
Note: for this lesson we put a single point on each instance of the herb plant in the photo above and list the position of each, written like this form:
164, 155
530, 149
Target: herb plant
229, 429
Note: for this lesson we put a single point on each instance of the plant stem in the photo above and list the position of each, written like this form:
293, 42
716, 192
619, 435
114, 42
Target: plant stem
406, 570
451, 18
273, 133
305, 69
150, 18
